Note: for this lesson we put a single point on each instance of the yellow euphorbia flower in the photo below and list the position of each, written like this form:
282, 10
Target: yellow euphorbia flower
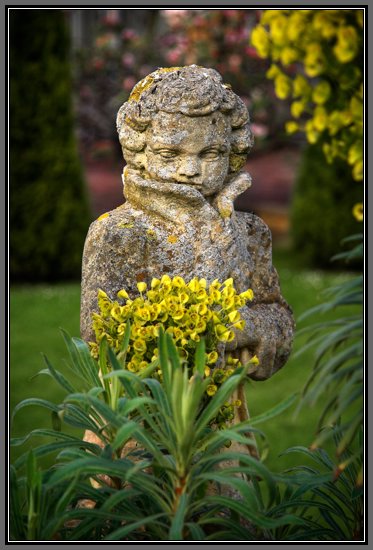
247, 295
123, 294
211, 389
282, 86
291, 127
322, 92
141, 287
260, 40
186, 311
234, 316
358, 212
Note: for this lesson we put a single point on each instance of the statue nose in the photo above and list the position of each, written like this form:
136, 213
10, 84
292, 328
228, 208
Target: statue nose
190, 167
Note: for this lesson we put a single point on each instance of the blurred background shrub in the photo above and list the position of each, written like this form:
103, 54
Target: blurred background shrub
321, 208
129, 44
54, 146
49, 212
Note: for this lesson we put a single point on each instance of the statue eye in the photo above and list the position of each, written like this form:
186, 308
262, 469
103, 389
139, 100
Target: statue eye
167, 154
211, 154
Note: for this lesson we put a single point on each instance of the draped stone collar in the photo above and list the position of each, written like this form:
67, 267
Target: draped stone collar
180, 204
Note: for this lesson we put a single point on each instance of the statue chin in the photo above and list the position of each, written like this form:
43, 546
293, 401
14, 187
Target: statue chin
136, 182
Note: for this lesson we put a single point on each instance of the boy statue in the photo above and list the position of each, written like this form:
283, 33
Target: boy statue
185, 136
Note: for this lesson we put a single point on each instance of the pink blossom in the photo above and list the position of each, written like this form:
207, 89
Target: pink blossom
174, 56
259, 130
97, 63
128, 60
231, 14
111, 17
251, 52
234, 62
174, 17
129, 34
129, 82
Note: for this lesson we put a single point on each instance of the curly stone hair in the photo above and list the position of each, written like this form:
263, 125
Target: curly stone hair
192, 91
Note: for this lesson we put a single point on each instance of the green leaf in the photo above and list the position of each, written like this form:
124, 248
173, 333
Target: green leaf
85, 358
274, 411
349, 434
200, 361
126, 339
35, 401
58, 376
196, 532
131, 405
17, 526
177, 524
164, 361
221, 396
46, 449
259, 519
123, 532
123, 434
43, 432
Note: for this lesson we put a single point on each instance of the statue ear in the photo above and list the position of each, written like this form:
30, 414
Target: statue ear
136, 160
121, 116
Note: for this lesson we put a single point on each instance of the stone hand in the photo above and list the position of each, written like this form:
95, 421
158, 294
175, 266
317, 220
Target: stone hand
264, 337
225, 199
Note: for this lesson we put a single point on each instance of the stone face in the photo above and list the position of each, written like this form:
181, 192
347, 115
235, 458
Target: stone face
185, 136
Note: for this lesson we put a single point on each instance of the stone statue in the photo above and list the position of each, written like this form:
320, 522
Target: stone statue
185, 136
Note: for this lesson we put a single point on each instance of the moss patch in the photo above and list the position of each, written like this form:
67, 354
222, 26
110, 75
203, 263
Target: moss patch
146, 82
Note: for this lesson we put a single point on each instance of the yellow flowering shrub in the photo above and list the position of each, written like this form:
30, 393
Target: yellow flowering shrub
318, 64
188, 312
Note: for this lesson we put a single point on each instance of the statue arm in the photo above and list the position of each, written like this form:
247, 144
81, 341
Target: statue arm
269, 326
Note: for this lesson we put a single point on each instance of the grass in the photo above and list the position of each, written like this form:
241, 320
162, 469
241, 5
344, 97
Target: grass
38, 311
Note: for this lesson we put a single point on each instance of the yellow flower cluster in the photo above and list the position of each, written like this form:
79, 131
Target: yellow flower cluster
327, 99
187, 311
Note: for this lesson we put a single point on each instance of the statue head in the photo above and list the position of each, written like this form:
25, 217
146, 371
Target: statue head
184, 125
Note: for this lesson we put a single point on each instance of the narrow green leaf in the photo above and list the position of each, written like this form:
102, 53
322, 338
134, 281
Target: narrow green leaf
196, 531
274, 411
35, 401
164, 361
124, 433
17, 527
123, 532
42, 433
177, 524
66, 497
221, 396
350, 433
200, 361
58, 376
126, 340
85, 358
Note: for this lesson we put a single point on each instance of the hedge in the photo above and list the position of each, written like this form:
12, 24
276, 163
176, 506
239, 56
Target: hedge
49, 212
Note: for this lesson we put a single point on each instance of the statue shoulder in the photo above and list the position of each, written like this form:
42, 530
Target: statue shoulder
256, 230
112, 227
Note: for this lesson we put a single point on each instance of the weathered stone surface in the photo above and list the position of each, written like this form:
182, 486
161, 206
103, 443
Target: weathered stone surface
185, 136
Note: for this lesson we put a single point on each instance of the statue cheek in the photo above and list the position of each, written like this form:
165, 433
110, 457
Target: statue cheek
135, 160
141, 161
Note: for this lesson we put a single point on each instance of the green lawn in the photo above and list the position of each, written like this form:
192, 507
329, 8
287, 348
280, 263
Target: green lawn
38, 311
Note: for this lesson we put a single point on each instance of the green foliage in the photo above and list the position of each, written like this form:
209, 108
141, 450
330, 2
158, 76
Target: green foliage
321, 208
166, 488
338, 375
170, 486
318, 61
48, 205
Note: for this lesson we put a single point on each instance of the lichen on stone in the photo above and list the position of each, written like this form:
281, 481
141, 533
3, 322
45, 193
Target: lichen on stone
146, 82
